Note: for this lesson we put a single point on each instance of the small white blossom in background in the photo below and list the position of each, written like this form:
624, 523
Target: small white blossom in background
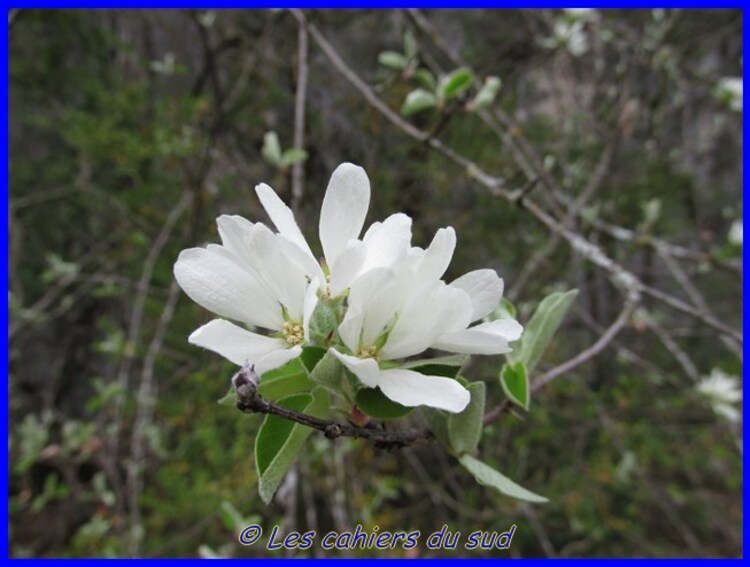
395, 303
729, 90
723, 392
735, 233
569, 34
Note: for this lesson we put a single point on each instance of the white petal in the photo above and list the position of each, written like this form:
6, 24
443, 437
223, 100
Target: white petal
411, 389
234, 343
365, 286
306, 263
344, 209
234, 231
387, 242
350, 329
346, 267
366, 369
438, 255
431, 310
485, 289
509, 329
216, 282
487, 338
284, 279
276, 359
311, 300
281, 216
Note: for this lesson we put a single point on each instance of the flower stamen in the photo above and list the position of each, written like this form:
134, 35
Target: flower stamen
293, 333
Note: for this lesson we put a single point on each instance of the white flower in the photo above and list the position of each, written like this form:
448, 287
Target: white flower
571, 34
723, 392
397, 304
735, 233
244, 280
730, 90
342, 217
401, 312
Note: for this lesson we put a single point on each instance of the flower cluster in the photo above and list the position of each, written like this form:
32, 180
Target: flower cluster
395, 304
723, 392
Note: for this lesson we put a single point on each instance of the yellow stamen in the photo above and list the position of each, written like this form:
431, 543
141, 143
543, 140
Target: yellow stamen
293, 333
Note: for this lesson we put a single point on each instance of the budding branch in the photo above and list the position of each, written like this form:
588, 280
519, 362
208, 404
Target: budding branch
249, 401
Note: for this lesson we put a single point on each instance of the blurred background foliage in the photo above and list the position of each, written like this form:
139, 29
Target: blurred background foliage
132, 130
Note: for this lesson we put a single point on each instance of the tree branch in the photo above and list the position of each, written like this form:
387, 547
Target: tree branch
248, 400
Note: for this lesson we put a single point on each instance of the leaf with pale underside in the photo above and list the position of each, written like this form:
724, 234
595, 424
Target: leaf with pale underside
280, 440
541, 328
487, 476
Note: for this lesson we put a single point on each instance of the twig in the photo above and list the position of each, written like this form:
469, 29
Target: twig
144, 415
248, 400
612, 331
299, 113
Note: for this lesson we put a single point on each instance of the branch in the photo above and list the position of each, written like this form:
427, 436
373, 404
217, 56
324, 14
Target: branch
584, 356
299, 113
248, 400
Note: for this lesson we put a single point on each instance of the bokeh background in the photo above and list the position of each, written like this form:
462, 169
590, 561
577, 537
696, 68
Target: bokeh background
132, 130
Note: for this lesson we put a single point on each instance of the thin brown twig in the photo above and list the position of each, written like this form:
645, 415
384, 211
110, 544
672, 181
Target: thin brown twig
248, 400
299, 112
584, 356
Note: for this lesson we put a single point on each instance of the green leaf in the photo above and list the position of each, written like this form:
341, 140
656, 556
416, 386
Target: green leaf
541, 328
326, 319
507, 309
292, 156
271, 148
331, 374
228, 399
465, 428
448, 366
486, 94
515, 384
393, 60
281, 382
375, 404
280, 440
487, 476
311, 355
437, 422
455, 84
417, 101
425, 79
410, 45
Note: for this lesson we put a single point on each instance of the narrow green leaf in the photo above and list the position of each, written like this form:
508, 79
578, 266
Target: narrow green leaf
515, 383
410, 45
285, 381
425, 79
465, 428
375, 404
271, 148
292, 156
487, 476
541, 328
279, 440
448, 366
392, 60
486, 94
455, 83
417, 101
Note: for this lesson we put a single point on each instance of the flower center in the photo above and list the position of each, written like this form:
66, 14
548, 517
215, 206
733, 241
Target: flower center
293, 333
368, 352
